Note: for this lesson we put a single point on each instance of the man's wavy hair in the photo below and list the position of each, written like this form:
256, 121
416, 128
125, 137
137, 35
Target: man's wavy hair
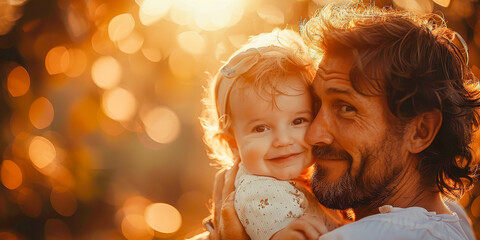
414, 62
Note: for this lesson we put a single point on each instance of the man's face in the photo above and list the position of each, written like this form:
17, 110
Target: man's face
357, 151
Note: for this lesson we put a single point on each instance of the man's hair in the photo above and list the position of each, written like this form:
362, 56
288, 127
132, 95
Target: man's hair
413, 61
264, 62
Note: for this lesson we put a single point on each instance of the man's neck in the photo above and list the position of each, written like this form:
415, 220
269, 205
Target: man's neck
407, 191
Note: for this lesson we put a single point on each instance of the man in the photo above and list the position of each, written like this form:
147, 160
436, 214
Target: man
396, 105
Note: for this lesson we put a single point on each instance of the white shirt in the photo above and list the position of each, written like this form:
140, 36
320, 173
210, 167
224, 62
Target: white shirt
407, 223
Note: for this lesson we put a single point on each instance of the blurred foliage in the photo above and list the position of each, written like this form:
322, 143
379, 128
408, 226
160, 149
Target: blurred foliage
100, 104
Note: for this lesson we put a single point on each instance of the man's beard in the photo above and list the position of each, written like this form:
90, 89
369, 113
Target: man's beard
353, 192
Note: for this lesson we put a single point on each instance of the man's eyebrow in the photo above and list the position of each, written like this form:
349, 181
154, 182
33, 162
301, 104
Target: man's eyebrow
348, 92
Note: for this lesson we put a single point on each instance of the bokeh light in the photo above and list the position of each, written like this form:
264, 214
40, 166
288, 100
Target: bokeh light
121, 26
18, 81
106, 72
29, 202
163, 218
11, 174
57, 60
134, 227
119, 104
41, 113
63, 201
102, 98
8, 236
191, 42
161, 124
131, 44
41, 151
77, 62
153, 10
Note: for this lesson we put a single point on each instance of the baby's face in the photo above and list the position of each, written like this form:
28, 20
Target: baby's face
269, 136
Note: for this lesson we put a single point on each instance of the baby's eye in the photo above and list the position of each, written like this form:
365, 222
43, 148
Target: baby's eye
299, 121
260, 128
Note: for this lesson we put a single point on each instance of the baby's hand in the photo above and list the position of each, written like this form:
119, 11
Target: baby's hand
307, 227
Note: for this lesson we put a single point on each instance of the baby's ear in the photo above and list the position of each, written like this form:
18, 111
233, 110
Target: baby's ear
232, 143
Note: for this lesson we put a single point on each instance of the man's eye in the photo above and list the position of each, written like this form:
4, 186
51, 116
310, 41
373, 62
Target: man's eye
347, 110
299, 121
260, 128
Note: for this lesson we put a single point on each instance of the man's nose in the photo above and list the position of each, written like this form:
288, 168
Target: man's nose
320, 131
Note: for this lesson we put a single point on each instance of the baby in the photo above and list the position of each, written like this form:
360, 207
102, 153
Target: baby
257, 113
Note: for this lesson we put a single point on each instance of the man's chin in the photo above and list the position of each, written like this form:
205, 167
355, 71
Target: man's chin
335, 192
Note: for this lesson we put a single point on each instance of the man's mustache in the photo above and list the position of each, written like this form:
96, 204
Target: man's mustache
328, 152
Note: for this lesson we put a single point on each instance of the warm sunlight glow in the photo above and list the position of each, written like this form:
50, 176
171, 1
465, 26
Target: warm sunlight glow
63, 201
443, 3
18, 81
217, 14
41, 151
153, 10
106, 72
163, 218
131, 44
271, 14
191, 42
162, 125
414, 5
11, 174
121, 26
119, 104
57, 60
181, 64
134, 227
41, 113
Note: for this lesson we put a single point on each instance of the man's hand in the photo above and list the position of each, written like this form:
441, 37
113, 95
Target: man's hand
306, 227
226, 223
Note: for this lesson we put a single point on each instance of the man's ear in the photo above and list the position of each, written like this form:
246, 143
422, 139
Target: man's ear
425, 128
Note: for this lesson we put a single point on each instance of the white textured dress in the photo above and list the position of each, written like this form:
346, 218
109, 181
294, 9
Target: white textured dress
266, 205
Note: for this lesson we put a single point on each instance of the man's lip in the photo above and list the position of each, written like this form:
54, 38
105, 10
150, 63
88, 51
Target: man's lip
284, 156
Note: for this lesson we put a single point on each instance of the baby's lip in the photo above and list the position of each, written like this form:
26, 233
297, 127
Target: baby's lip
284, 156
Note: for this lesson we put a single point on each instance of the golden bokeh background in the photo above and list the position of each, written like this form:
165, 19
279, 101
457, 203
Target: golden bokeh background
100, 103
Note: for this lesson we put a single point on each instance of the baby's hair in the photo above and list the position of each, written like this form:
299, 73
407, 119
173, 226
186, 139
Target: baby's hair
266, 60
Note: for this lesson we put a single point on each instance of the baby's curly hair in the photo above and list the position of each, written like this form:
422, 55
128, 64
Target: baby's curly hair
262, 63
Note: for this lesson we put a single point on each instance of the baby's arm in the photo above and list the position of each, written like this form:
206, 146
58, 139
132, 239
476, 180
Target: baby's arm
306, 227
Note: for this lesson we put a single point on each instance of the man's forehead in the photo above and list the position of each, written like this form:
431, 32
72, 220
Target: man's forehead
340, 63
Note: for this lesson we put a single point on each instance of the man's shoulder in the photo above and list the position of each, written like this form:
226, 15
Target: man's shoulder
410, 223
